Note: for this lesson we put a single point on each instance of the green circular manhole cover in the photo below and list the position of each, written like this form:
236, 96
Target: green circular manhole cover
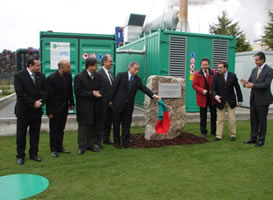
20, 186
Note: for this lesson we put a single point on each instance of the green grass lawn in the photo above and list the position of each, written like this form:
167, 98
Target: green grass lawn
214, 170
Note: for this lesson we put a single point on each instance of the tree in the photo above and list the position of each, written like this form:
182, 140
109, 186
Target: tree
225, 26
268, 32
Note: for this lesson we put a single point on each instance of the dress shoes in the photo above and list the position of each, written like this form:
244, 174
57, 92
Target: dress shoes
99, 146
54, 154
81, 151
64, 151
259, 144
204, 136
107, 142
249, 142
35, 158
232, 139
20, 161
117, 146
95, 148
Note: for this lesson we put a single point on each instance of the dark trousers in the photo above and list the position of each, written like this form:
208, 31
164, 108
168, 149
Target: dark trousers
56, 133
203, 119
105, 121
86, 135
125, 119
34, 124
258, 121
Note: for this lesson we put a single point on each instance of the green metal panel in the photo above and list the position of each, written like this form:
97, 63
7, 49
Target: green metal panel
79, 43
201, 47
97, 47
149, 64
157, 57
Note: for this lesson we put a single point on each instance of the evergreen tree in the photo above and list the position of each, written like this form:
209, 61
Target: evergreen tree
225, 26
268, 32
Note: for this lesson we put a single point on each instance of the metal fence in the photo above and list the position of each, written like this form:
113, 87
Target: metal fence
6, 83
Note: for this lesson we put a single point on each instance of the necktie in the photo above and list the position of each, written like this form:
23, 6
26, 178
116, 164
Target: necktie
258, 72
131, 81
224, 77
33, 77
110, 78
92, 76
64, 82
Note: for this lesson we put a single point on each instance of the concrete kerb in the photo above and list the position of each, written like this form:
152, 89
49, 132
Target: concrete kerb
8, 125
7, 99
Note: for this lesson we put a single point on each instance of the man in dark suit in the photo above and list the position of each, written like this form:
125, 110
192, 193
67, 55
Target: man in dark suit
202, 84
87, 87
260, 99
60, 99
30, 88
122, 102
105, 121
223, 85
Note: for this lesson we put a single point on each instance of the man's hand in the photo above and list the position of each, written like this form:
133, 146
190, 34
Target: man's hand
38, 103
96, 94
110, 104
239, 104
157, 97
50, 116
243, 81
249, 85
218, 98
204, 92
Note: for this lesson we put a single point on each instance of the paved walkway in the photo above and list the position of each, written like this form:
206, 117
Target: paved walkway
8, 111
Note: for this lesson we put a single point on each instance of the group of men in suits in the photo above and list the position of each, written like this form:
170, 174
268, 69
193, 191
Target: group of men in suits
103, 100
218, 90
100, 100
33, 91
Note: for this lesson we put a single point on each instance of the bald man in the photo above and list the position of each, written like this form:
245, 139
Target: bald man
60, 100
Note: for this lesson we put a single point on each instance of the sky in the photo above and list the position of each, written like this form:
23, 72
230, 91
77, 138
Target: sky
21, 21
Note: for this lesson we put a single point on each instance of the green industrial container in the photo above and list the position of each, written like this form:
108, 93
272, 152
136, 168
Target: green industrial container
178, 54
75, 47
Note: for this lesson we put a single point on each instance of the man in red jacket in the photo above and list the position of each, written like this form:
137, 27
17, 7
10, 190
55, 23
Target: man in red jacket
202, 84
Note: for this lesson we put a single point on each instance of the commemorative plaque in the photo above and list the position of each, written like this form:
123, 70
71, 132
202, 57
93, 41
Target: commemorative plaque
169, 90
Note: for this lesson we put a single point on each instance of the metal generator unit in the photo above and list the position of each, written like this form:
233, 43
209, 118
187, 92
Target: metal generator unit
178, 54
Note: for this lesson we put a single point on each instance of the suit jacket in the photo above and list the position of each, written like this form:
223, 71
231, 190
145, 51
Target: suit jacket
60, 93
107, 87
199, 84
225, 89
86, 104
261, 92
121, 94
27, 93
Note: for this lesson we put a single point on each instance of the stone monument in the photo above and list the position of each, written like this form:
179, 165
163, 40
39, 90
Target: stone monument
172, 91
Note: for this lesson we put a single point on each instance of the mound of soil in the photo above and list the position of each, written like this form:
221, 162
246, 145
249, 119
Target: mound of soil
138, 140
